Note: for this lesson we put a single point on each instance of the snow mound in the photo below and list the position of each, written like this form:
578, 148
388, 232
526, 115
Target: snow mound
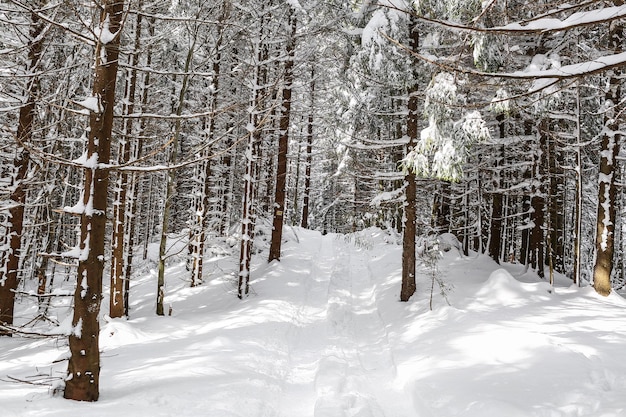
119, 332
502, 289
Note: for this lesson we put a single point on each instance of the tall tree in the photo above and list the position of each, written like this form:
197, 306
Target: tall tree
409, 227
83, 373
607, 191
283, 142
11, 258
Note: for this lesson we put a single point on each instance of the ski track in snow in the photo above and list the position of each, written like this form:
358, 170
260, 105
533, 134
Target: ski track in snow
357, 361
340, 363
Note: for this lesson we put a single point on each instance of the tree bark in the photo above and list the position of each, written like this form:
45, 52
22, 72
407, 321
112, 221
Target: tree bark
309, 157
408, 237
119, 244
495, 238
283, 146
10, 261
607, 191
83, 374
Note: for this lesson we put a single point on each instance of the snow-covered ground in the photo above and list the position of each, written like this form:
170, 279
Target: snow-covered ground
324, 335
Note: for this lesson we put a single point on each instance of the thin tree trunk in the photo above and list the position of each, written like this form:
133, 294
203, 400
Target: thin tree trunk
283, 146
170, 187
119, 245
495, 238
204, 199
309, 157
607, 191
10, 261
82, 382
579, 195
408, 238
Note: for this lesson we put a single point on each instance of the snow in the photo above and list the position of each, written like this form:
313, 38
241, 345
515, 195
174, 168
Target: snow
323, 334
575, 19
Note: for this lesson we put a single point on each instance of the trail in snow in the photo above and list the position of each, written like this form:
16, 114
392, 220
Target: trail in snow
340, 362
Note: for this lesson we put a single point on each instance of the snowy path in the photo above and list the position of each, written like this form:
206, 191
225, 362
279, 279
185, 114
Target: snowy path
341, 362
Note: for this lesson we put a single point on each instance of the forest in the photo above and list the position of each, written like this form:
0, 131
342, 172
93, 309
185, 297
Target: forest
127, 125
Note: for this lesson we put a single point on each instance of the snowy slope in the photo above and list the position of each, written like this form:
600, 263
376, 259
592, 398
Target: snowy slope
324, 335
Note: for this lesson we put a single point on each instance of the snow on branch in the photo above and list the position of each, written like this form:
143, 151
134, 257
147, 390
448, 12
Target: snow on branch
542, 24
553, 75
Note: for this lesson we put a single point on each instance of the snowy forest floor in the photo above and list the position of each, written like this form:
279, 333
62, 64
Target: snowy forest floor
323, 334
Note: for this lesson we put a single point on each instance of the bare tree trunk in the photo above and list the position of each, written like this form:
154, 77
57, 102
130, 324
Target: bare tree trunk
283, 145
495, 238
170, 189
204, 199
579, 195
607, 191
309, 157
119, 245
538, 202
408, 239
82, 382
10, 261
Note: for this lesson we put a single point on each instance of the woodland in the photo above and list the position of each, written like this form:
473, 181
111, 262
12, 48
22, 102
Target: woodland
130, 123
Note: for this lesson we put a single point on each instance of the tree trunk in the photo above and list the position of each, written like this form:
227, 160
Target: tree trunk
309, 157
408, 237
495, 238
283, 146
10, 261
607, 191
170, 189
119, 244
82, 382
198, 240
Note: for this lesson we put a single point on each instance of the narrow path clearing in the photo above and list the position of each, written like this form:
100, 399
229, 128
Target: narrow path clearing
341, 361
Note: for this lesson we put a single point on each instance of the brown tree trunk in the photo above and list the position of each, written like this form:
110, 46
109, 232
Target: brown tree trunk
538, 203
283, 145
309, 158
408, 237
82, 382
204, 199
10, 261
495, 237
119, 245
607, 191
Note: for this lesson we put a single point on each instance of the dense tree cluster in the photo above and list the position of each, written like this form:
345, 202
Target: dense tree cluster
126, 123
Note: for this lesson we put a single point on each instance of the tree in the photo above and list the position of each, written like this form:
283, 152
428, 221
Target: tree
83, 373
10, 259
409, 228
607, 191
283, 142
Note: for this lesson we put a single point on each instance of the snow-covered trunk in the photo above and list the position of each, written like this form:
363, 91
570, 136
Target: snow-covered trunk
83, 373
579, 195
294, 212
202, 211
226, 188
309, 157
607, 188
118, 239
248, 211
283, 144
526, 208
10, 258
408, 237
170, 189
537, 202
495, 231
